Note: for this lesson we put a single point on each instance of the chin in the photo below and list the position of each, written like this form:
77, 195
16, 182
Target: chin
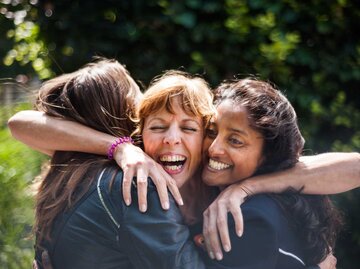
209, 181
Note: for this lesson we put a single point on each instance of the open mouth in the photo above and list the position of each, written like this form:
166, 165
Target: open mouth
216, 165
172, 164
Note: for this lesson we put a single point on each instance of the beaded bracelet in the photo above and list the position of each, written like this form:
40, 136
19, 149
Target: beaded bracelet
117, 142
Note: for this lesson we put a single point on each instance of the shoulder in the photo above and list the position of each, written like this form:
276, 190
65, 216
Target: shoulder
266, 210
263, 206
111, 177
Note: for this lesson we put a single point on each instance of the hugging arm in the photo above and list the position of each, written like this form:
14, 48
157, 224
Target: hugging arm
48, 134
327, 173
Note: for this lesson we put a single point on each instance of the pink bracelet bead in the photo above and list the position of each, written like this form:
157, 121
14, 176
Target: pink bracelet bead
117, 142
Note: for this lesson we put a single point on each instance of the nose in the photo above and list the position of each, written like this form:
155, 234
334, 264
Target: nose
216, 148
172, 136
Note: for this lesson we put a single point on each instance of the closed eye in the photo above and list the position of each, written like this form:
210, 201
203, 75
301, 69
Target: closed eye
157, 128
189, 129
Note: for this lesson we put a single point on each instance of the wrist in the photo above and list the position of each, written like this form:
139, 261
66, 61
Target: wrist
249, 188
118, 146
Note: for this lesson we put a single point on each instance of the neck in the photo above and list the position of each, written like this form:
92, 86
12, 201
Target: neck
187, 192
196, 198
190, 208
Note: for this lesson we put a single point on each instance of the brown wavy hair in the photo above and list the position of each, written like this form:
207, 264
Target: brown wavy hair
195, 95
101, 95
195, 98
314, 217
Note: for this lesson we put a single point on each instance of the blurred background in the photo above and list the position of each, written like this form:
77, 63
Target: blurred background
309, 49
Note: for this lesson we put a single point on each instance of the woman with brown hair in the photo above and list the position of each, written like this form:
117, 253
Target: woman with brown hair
81, 219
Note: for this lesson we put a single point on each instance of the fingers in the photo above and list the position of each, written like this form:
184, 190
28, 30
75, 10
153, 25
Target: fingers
171, 185
160, 183
175, 192
46, 260
222, 227
199, 241
206, 234
329, 262
211, 235
238, 218
34, 265
142, 185
126, 184
333, 262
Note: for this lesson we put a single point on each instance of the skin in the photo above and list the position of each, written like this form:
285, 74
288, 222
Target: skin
232, 149
177, 137
175, 142
48, 134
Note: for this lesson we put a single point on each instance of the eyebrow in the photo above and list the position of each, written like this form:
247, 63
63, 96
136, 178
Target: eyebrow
239, 131
194, 121
184, 120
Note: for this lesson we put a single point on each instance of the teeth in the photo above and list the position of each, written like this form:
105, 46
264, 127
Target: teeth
218, 165
172, 158
173, 167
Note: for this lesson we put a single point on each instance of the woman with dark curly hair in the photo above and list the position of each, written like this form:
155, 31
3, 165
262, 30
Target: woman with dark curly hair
254, 132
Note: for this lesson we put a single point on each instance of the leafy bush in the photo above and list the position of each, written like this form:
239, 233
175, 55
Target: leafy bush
310, 49
18, 167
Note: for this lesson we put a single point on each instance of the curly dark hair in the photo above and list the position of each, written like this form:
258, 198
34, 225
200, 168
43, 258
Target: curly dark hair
270, 113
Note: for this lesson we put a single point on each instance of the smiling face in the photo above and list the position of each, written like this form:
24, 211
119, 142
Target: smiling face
174, 141
232, 148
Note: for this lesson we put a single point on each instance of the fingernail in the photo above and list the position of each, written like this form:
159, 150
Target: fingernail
143, 208
166, 205
181, 202
219, 256
211, 254
239, 233
127, 202
227, 248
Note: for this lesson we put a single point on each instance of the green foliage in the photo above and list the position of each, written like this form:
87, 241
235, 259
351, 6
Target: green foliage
18, 167
24, 50
310, 49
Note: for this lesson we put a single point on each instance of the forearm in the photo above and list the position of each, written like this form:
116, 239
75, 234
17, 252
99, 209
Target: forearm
48, 134
327, 173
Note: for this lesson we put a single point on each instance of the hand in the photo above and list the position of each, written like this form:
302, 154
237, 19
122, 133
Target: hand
45, 261
215, 224
329, 262
134, 162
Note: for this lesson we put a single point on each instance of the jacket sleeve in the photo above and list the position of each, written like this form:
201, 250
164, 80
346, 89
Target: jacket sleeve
158, 238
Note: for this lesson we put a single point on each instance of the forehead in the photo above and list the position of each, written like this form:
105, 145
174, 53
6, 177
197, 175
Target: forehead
231, 110
177, 113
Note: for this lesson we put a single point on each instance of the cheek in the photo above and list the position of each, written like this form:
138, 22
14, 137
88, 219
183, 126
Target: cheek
196, 147
150, 144
206, 144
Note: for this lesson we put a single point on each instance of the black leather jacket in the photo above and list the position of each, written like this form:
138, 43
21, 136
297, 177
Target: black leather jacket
102, 232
